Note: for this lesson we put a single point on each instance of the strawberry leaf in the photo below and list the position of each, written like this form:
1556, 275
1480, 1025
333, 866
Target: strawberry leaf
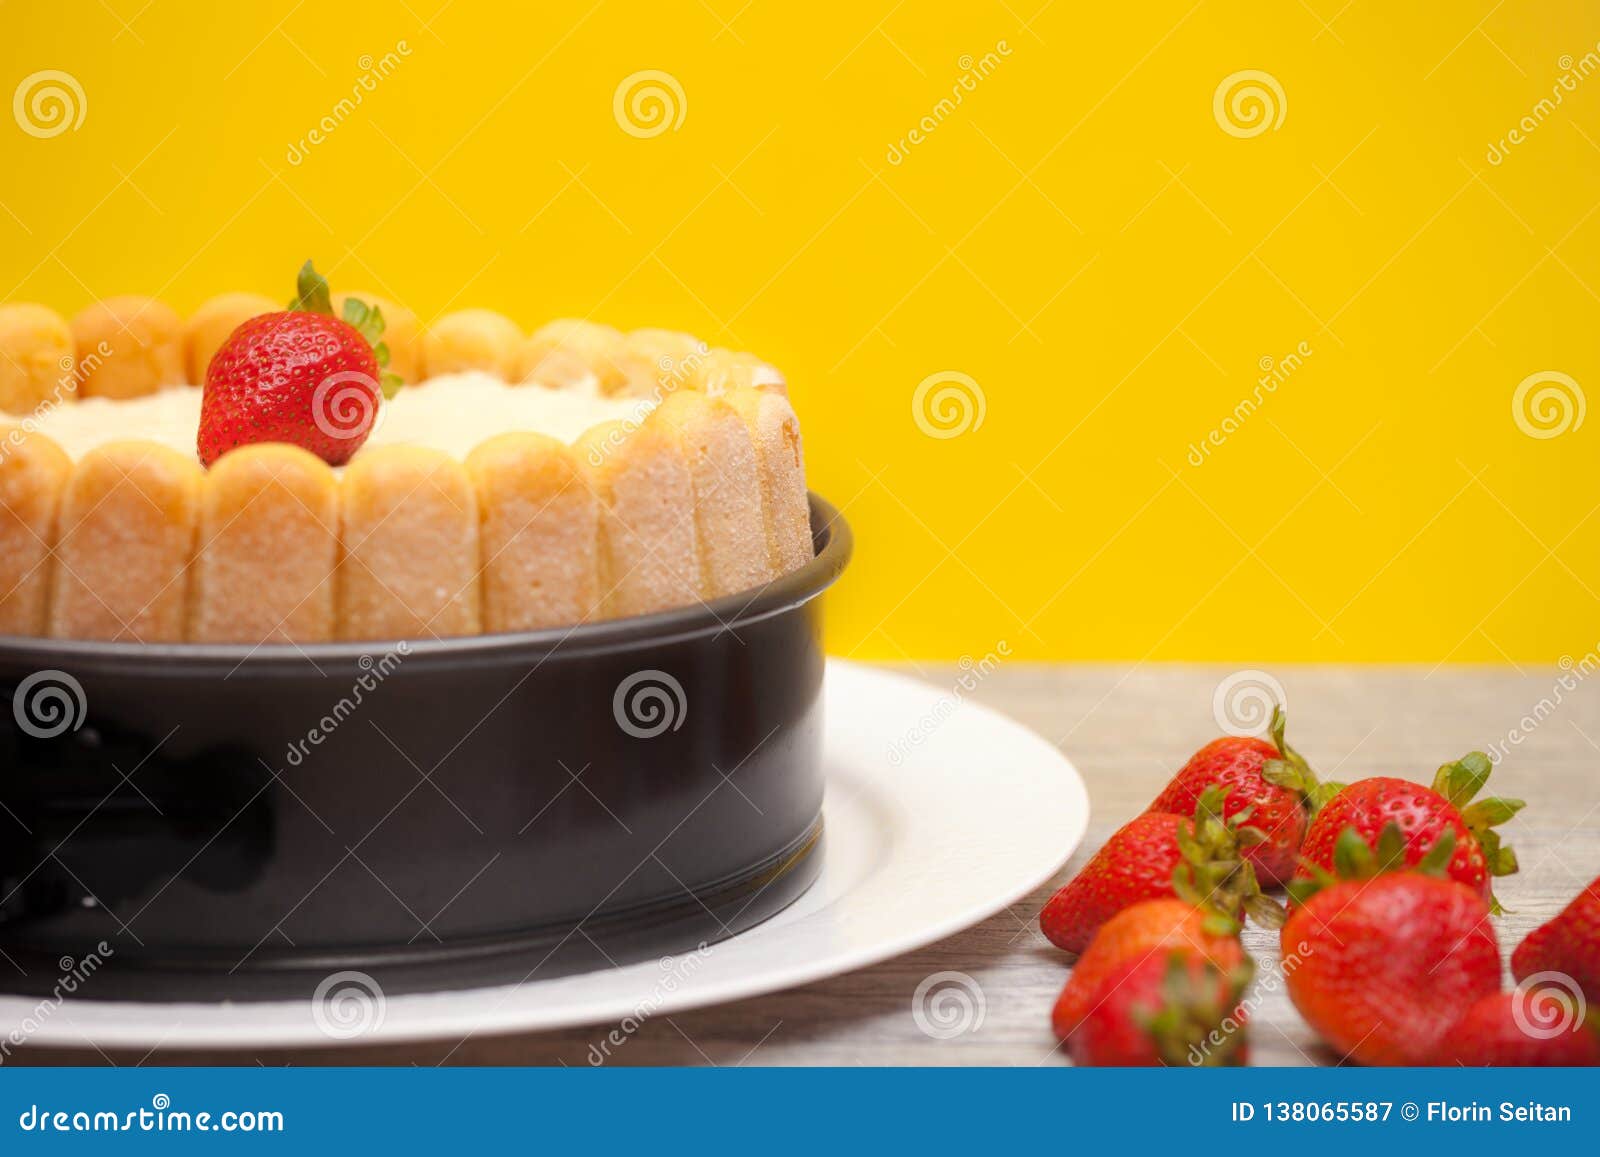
1490, 811
1302, 889
365, 320
1321, 794
1281, 773
355, 312
368, 320
1352, 856
1212, 874
1195, 1001
1355, 859
311, 292
1216, 924
1391, 848
1211, 802
1251, 837
1458, 782
1437, 858
1292, 771
1190, 847
1265, 911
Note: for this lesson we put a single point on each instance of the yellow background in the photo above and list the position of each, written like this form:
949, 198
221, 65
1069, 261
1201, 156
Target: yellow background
1080, 236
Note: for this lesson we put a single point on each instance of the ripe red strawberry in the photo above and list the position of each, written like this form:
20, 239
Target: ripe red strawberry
1423, 814
1268, 783
1385, 963
303, 376
1154, 927
1569, 943
1167, 1008
1525, 1028
1157, 855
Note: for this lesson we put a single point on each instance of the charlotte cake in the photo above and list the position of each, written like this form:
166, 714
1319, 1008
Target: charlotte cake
522, 481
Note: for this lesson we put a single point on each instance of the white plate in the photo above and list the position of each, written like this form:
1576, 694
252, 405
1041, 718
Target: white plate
972, 818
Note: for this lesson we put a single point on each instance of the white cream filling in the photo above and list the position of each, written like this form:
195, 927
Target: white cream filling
453, 413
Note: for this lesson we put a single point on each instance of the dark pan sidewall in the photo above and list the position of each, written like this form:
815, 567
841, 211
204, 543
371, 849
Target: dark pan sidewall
227, 817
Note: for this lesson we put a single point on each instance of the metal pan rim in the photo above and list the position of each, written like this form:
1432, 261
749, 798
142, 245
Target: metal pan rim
834, 540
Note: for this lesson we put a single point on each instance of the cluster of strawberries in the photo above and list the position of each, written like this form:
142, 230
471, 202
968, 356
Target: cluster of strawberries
1389, 951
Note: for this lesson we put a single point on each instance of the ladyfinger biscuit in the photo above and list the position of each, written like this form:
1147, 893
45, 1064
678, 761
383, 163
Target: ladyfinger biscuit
539, 526
722, 371
656, 362
213, 323
399, 333
411, 557
471, 339
570, 352
776, 433
267, 548
33, 471
36, 358
650, 558
721, 455
143, 347
125, 540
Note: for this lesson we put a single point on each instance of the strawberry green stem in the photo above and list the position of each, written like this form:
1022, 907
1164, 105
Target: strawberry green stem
1198, 1014
1460, 782
1355, 859
1214, 874
1291, 771
311, 292
312, 295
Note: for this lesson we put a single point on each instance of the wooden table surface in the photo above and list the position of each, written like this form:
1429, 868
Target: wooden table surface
1127, 729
